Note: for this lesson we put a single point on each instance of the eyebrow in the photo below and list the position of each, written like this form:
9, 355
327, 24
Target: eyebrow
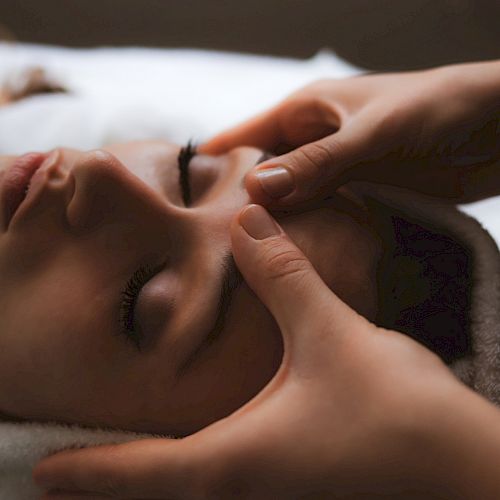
230, 281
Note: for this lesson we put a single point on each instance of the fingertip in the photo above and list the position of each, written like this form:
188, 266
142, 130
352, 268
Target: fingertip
255, 190
213, 147
204, 148
249, 227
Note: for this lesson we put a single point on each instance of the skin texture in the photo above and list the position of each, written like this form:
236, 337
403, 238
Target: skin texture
91, 219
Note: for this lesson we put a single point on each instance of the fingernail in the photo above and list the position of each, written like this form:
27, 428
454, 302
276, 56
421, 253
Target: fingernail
276, 182
258, 223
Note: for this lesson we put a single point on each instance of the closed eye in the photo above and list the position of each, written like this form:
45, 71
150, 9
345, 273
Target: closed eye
186, 154
129, 295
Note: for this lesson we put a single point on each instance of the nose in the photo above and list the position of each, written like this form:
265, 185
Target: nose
107, 193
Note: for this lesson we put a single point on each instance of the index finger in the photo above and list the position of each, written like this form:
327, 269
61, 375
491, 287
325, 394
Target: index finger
263, 131
125, 470
188, 468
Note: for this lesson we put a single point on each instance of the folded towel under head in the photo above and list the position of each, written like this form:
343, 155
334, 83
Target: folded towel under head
22, 445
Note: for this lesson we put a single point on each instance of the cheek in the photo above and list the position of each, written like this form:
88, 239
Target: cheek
234, 369
253, 346
48, 348
30, 361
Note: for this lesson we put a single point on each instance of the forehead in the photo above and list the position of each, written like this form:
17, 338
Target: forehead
151, 148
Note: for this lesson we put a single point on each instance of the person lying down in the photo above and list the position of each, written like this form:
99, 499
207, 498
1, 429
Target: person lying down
123, 309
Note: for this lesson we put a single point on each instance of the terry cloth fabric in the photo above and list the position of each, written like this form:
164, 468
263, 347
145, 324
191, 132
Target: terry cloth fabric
441, 282
441, 286
22, 445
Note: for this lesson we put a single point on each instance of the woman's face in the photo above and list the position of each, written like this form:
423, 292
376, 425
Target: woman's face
199, 343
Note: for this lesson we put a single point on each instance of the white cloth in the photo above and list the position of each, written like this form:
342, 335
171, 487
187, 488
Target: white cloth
22, 445
122, 94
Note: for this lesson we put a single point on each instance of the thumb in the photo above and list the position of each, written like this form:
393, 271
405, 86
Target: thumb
287, 283
315, 169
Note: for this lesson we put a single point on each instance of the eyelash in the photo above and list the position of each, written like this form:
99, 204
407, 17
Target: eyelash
129, 299
186, 154
145, 273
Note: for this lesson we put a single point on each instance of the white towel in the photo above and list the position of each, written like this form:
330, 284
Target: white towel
22, 445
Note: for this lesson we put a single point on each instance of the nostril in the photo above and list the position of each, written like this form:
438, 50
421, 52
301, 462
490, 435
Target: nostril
56, 168
51, 166
56, 175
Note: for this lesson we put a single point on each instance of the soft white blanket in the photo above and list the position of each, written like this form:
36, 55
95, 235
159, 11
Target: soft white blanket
122, 94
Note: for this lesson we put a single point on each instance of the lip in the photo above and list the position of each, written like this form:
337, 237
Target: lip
15, 181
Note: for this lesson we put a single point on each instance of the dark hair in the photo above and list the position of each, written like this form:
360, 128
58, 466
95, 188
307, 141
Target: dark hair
424, 284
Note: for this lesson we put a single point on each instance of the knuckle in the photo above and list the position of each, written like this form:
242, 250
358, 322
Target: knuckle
313, 161
279, 262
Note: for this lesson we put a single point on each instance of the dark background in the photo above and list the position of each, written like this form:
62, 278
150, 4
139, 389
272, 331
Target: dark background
375, 34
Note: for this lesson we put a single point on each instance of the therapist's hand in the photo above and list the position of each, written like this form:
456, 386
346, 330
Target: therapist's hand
435, 131
353, 410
